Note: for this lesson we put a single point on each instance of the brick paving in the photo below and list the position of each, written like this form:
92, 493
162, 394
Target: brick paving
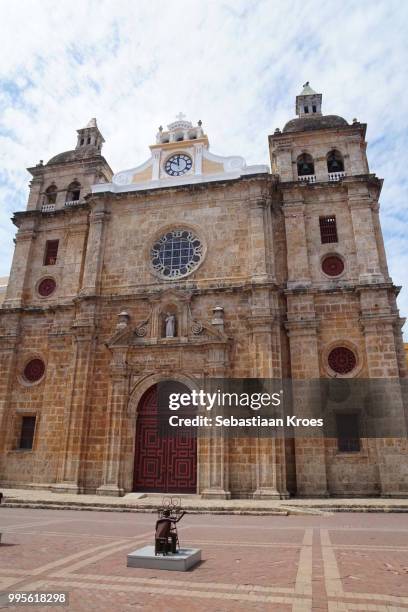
331, 562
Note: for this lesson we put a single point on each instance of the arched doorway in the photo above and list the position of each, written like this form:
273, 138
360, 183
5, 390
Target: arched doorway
165, 456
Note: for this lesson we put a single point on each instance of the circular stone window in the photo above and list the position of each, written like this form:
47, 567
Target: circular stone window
332, 265
46, 287
342, 360
34, 370
176, 254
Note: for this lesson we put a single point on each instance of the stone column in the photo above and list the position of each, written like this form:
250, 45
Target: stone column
117, 402
8, 357
382, 365
34, 200
361, 207
297, 254
94, 251
75, 409
310, 451
321, 171
266, 465
21, 261
214, 445
260, 264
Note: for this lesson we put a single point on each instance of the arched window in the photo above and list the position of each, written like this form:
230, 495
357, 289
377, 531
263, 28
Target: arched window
305, 164
335, 161
51, 194
73, 192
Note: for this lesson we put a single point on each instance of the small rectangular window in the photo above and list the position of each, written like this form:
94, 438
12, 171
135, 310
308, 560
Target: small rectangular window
328, 229
306, 109
51, 251
314, 108
348, 433
27, 432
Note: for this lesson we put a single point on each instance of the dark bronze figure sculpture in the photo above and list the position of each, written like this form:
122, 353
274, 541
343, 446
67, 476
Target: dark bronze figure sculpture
166, 537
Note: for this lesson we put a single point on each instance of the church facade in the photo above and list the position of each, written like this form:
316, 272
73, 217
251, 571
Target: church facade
189, 267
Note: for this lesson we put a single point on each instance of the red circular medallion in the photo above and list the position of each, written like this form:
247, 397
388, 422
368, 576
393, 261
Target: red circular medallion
332, 265
342, 360
46, 287
34, 370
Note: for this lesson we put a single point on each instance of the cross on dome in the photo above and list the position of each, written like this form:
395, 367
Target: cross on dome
180, 116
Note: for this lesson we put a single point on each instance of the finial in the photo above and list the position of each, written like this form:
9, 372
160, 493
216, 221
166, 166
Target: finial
200, 123
180, 116
41, 162
355, 120
160, 128
277, 131
306, 84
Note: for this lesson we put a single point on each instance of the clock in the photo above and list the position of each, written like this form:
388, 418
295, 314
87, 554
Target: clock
178, 164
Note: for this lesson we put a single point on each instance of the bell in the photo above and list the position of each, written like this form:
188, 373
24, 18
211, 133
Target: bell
335, 165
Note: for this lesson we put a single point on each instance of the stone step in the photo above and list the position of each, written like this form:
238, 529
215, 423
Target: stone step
139, 509
48, 505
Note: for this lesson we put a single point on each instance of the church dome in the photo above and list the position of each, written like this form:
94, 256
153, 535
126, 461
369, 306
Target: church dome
320, 122
74, 155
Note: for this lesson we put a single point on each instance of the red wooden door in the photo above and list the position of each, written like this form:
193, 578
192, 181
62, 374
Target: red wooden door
165, 462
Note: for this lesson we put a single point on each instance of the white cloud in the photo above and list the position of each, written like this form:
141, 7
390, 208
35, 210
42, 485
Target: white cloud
235, 65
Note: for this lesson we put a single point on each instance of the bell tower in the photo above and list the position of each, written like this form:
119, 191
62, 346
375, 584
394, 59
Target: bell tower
308, 103
90, 137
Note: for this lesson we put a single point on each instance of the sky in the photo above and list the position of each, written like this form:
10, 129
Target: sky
236, 65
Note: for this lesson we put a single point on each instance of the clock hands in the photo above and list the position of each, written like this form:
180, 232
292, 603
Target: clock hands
178, 164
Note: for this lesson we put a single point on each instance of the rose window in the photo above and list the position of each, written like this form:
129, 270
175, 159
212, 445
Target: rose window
333, 265
177, 253
46, 287
342, 360
34, 370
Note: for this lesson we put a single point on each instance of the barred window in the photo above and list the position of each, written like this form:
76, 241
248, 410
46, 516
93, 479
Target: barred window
348, 433
328, 229
27, 432
176, 254
51, 251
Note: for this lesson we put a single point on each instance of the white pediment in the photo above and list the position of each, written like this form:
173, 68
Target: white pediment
203, 166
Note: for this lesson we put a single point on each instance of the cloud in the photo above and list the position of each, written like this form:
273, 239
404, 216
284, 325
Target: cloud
236, 65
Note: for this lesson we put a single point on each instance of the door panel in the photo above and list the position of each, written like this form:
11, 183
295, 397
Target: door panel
165, 462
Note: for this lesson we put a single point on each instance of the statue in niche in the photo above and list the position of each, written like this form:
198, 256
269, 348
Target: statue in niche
170, 321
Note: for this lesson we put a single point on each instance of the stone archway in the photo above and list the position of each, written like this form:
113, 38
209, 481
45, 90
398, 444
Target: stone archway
165, 459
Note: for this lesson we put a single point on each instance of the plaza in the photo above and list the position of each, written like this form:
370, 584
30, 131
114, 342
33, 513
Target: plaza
325, 561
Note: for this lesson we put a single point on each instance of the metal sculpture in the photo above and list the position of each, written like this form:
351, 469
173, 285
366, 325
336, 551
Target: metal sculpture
166, 537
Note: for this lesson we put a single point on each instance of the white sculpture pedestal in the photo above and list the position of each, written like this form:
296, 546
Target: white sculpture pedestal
179, 562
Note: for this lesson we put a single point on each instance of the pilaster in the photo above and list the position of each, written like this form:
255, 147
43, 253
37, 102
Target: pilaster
260, 263
361, 207
21, 261
296, 242
117, 402
75, 408
94, 250
263, 328
311, 473
216, 445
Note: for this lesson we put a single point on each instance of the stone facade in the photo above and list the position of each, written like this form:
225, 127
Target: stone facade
258, 304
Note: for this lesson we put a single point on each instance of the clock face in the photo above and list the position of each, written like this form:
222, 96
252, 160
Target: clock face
178, 164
